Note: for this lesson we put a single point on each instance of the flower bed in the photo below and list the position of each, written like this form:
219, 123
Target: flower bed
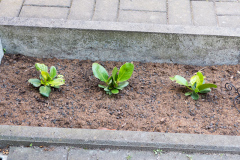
151, 101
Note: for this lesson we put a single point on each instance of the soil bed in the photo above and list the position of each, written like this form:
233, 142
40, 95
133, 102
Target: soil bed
151, 102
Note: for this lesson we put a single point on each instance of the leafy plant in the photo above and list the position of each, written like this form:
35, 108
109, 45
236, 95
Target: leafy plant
47, 79
129, 157
158, 151
196, 84
189, 157
117, 81
4, 50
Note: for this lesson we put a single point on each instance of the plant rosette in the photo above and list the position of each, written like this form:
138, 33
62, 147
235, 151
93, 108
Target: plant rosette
196, 84
117, 81
47, 79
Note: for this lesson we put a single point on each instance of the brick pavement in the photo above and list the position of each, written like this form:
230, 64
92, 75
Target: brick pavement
223, 13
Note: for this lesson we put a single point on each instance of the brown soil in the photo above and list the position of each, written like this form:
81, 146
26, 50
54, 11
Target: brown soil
151, 102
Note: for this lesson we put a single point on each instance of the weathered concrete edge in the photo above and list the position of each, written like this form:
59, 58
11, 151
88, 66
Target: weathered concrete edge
1, 51
92, 138
120, 26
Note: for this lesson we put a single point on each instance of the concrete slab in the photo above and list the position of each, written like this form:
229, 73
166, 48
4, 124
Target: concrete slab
82, 10
179, 12
10, 8
133, 140
204, 13
106, 10
142, 17
1, 51
44, 12
30, 153
227, 8
56, 3
229, 21
120, 41
143, 5
3, 157
97, 154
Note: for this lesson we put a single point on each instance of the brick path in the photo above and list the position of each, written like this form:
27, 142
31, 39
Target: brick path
223, 13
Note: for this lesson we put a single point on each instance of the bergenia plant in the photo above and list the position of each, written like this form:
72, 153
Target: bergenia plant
196, 84
117, 81
48, 80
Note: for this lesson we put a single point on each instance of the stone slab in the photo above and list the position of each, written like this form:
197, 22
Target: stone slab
91, 138
106, 10
204, 13
227, 8
128, 41
82, 10
142, 17
44, 12
57, 3
1, 51
229, 21
143, 5
23, 153
109, 154
179, 12
10, 8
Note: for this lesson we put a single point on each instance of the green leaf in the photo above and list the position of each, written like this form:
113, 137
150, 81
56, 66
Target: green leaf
194, 96
206, 90
188, 93
30, 145
106, 89
180, 80
57, 82
115, 91
53, 72
201, 77
207, 85
41, 67
35, 82
114, 73
45, 90
45, 75
101, 86
100, 72
121, 85
195, 80
125, 72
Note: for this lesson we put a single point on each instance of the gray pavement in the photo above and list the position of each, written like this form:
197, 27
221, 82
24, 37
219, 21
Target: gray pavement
223, 13
83, 144
74, 153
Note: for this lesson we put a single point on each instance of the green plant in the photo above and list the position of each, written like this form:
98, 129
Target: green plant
47, 79
30, 145
117, 81
4, 50
129, 157
189, 157
196, 84
158, 151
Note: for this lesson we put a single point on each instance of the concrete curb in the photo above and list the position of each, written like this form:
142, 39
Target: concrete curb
1, 51
120, 26
92, 138
120, 41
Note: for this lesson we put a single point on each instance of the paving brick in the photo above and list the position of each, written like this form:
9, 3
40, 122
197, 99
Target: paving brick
147, 5
229, 21
203, 13
179, 12
65, 3
18, 153
81, 9
10, 8
44, 12
106, 10
142, 17
228, 8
